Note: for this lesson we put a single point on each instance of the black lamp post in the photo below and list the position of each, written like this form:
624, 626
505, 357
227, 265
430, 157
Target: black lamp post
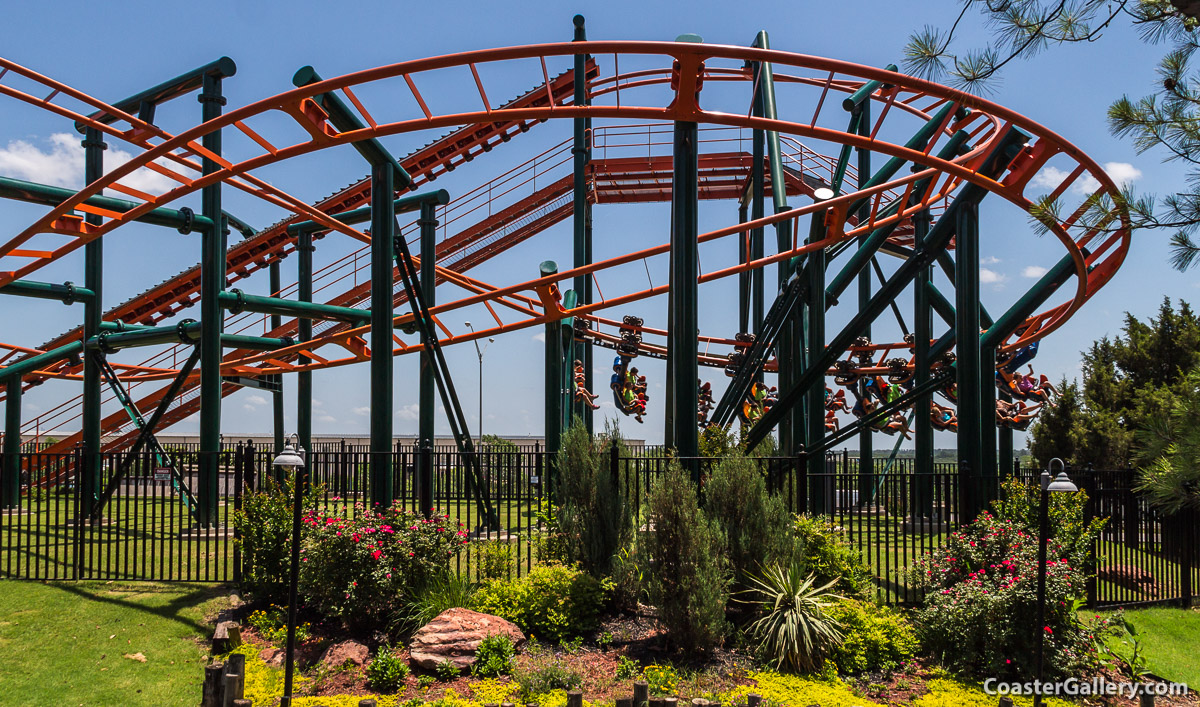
292, 459
1059, 484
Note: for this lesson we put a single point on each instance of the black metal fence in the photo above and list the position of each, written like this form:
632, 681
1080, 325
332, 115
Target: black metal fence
146, 531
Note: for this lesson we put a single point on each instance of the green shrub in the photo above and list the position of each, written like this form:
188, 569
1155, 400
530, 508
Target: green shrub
388, 671
594, 513
494, 656
662, 679
874, 638
554, 676
264, 525
424, 682
795, 629
446, 670
627, 667
442, 592
979, 614
754, 522
819, 548
688, 581
552, 602
364, 570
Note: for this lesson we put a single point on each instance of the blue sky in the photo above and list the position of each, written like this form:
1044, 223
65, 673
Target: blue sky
116, 51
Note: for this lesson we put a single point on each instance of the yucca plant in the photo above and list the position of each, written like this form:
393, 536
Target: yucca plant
795, 629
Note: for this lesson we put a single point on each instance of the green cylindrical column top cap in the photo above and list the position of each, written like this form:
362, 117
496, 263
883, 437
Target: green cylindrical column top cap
578, 20
305, 75
548, 267
689, 37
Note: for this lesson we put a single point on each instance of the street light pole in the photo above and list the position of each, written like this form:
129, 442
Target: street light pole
1058, 484
479, 352
292, 459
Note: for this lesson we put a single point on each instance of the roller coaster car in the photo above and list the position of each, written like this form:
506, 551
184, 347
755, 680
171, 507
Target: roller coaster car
744, 338
628, 345
581, 328
865, 358
910, 340
898, 370
632, 320
846, 373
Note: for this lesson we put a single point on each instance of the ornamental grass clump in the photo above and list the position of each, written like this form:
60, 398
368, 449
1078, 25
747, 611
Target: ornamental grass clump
364, 570
980, 608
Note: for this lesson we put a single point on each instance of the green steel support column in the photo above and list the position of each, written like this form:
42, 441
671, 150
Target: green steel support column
383, 226
212, 282
583, 237
970, 439
758, 195
93, 311
304, 292
743, 277
817, 483
683, 320
426, 410
866, 452
566, 353
277, 398
553, 390
10, 486
987, 421
923, 332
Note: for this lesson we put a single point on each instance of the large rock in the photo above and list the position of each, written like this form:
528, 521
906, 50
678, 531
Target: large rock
339, 654
455, 635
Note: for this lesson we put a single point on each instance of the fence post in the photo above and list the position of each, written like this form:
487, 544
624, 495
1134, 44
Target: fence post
614, 466
239, 478
80, 522
801, 471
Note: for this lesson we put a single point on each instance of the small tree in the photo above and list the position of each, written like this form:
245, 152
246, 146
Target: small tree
1170, 475
754, 522
688, 580
595, 515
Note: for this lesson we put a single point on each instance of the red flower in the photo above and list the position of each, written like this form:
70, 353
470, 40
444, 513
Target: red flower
375, 555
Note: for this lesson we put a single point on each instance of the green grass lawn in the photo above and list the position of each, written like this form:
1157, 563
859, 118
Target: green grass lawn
64, 644
1169, 638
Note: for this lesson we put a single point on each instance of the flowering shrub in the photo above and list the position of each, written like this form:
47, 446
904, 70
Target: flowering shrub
364, 570
981, 604
264, 525
662, 679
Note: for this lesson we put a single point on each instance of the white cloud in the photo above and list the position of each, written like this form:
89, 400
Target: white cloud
326, 418
1123, 173
990, 277
363, 411
989, 260
62, 165
409, 412
1033, 271
540, 336
254, 400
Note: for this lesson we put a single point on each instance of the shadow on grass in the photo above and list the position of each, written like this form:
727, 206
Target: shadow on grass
171, 611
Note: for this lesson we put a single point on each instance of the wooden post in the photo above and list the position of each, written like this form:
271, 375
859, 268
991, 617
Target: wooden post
641, 693
624, 702
211, 694
1006, 702
366, 703
235, 668
753, 700
656, 702
575, 699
